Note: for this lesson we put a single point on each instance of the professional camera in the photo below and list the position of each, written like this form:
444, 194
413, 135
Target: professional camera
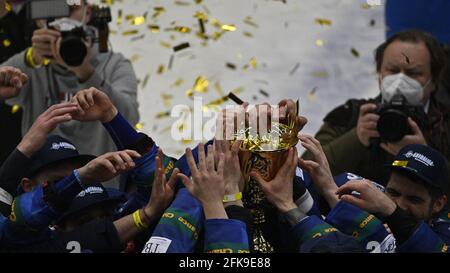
73, 34
393, 122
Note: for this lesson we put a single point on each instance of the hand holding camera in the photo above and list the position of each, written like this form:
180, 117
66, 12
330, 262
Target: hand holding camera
367, 124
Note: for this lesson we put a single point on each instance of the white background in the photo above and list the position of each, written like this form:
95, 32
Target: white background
285, 35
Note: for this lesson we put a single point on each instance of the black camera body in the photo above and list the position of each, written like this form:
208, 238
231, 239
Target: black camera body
73, 49
393, 122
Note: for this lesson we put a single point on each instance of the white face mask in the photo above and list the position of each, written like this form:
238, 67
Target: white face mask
400, 83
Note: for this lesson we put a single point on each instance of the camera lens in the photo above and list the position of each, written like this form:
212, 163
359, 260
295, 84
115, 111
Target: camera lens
393, 125
72, 50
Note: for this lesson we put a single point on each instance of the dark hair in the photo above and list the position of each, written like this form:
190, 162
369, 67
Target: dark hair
434, 192
437, 55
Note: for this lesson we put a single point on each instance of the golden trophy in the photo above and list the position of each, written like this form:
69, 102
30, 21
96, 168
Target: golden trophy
265, 152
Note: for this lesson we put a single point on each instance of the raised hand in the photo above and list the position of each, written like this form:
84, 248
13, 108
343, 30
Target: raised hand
11, 82
107, 166
319, 169
370, 198
35, 137
208, 183
162, 190
94, 104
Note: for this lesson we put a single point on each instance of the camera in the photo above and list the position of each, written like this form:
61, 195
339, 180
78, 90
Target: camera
73, 34
393, 122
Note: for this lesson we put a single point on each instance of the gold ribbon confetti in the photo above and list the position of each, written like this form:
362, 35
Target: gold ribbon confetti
160, 69
323, 22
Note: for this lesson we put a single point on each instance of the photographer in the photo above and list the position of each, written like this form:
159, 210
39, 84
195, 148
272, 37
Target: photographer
409, 66
56, 73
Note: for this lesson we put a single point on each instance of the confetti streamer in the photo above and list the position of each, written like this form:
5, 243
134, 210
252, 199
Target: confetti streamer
319, 42
229, 27
138, 20
158, 11
178, 82
165, 44
153, 28
170, 62
355, 52
323, 22
320, 74
218, 88
142, 36
160, 69
247, 34
264, 93
312, 95
231, 66
180, 47
130, 32
144, 82
182, 3
249, 21
297, 65
119, 17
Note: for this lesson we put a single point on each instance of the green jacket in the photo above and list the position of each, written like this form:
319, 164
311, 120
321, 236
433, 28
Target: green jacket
345, 152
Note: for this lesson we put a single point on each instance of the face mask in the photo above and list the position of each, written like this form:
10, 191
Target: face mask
399, 83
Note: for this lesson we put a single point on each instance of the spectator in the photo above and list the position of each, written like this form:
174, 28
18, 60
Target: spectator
57, 81
410, 64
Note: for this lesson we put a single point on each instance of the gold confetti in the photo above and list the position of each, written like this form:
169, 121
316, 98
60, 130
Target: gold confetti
248, 34
182, 3
253, 62
229, 27
249, 21
138, 20
189, 93
158, 11
7, 7
119, 17
167, 99
201, 84
163, 115
200, 15
139, 126
108, 2
323, 22
216, 23
355, 52
6, 43
178, 82
165, 44
134, 58
130, 32
153, 28
129, 17
198, 1
320, 74
15, 108
319, 42
216, 35
144, 82
218, 88
160, 69
182, 29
